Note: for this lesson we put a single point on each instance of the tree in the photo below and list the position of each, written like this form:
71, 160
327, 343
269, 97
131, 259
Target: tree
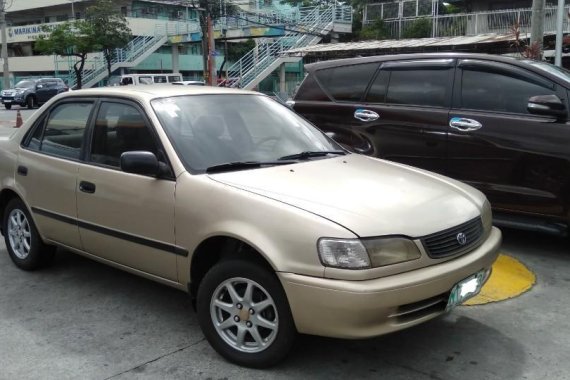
110, 27
70, 39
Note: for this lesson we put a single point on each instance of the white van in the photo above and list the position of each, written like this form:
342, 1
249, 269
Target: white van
149, 78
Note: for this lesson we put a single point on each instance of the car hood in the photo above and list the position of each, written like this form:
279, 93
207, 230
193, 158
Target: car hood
368, 196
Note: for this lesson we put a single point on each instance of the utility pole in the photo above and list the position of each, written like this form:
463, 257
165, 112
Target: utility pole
6, 83
537, 24
559, 33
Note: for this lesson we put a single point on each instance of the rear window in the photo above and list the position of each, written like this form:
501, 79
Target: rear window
347, 83
311, 90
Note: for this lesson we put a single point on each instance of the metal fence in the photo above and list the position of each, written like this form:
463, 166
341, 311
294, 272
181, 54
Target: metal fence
466, 24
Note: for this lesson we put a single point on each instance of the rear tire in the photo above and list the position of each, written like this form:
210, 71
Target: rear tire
7, 106
23, 242
244, 314
30, 102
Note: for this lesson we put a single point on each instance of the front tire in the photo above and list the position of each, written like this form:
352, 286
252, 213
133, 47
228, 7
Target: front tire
30, 102
244, 314
23, 242
7, 106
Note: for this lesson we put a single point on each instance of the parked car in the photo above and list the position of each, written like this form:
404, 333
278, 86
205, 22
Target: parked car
270, 226
496, 123
149, 78
33, 92
189, 83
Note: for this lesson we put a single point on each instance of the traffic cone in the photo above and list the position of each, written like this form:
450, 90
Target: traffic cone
19, 120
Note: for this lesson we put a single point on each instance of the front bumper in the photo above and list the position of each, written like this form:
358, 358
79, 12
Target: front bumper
362, 309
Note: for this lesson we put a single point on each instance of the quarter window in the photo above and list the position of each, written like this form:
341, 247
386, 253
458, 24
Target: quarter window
421, 87
489, 91
347, 82
119, 128
377, 92
64, 130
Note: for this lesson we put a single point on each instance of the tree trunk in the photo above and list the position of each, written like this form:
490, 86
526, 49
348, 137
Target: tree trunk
108, 57
205, 50
79, 70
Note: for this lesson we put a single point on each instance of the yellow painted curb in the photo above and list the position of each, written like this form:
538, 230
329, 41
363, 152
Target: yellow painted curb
510, 278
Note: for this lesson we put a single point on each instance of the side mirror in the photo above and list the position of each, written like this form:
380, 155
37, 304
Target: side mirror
140, 162
547, 105
40, 86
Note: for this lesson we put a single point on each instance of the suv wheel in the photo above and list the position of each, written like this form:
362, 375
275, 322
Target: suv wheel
30, 102
7, 106
23, 242
244, 314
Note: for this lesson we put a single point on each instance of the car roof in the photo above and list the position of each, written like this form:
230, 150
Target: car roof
153, 91
418, 56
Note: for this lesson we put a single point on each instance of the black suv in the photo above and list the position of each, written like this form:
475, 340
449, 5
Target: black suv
499, 124
33, 92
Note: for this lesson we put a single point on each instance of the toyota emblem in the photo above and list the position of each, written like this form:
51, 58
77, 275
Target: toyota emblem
461, 238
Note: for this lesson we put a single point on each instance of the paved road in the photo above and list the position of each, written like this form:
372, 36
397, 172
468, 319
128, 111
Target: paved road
8, 117
81, 319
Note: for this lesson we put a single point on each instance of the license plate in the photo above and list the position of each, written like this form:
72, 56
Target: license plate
466, 289
6, 101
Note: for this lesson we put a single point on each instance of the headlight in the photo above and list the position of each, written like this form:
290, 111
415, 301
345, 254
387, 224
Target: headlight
343, 253
386, 251
366, 253
487, 217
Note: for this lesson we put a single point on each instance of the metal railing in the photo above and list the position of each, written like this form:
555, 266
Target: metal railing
313, 24
465, 24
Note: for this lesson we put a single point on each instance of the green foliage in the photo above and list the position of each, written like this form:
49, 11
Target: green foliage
420, 28
375, 31
239, 49
110, 28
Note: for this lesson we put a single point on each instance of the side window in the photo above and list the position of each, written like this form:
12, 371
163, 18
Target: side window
160, 79
174, 78
347, 83
145, 80
119, 128
310, 90
490, 91
377, 92
63, 132
420, 87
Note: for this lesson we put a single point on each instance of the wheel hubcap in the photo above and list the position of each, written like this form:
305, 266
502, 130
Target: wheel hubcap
244, 315
19, 234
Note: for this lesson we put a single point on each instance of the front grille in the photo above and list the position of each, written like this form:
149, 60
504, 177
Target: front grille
447, 242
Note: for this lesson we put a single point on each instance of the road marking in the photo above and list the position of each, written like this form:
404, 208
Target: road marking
510, 278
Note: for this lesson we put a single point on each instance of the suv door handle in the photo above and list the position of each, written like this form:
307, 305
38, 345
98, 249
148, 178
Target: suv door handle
365, 115
87, 187
464, 125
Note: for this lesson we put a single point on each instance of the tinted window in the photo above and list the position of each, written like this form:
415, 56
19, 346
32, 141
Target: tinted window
174, 78
310, 90
160, 79
145, 80
64, 130
377, 92
347, 82
119, 128
490, 91
422, 87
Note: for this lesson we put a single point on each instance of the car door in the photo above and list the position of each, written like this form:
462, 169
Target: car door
126, 218
48, 164
43, 91
328, 98
519, 160
404, 114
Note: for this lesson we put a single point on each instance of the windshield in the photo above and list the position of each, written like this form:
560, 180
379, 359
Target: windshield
554, 70
25, 84
209, 130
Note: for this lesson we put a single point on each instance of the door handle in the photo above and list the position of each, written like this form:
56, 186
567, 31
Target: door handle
87, 187
365, 115
464, 125
22, 170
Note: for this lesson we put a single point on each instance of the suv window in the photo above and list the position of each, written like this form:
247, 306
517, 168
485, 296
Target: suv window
119, 128
62, 134
377, 92
490, 91
347, 82
421, 87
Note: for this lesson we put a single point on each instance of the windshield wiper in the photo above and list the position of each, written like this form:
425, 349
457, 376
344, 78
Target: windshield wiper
242, 165
309, 154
